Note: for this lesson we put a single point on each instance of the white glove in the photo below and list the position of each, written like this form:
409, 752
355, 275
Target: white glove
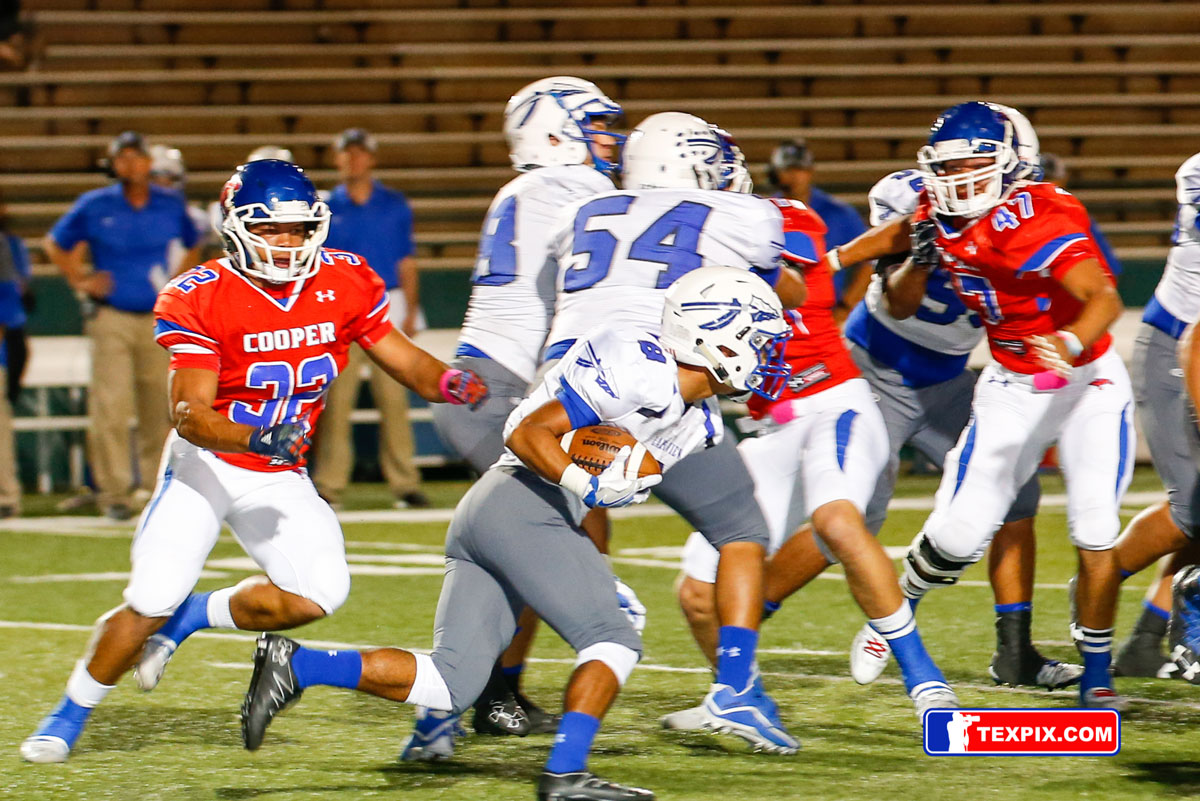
1047, 355
631, 606
617, 485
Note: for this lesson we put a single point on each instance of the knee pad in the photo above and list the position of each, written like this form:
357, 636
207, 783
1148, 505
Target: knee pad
925, 566
154, 598
620, 659
700, 558
1095, 529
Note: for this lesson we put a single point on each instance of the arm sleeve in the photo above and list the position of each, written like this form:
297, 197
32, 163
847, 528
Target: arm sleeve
372, 323
71, 228
605, 381
1050, 245
180, 329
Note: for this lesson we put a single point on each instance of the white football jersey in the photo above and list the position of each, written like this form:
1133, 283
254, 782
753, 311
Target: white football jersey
1178, 290
618, 253
621, 376
512, 296
943, 323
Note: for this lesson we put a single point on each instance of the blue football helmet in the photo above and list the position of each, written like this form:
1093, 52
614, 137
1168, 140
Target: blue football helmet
549, 123
735, 177
272, 191
970, 131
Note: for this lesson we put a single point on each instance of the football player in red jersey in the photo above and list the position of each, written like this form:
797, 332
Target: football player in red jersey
820, 447
255, 339
1020, 255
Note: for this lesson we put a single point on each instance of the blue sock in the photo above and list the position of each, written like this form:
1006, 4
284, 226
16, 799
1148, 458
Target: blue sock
770, 608
735, 656
190, 617
65, 721
572, 743
912, 603
916, 665
1024, 606
1095, 669
513, 672
1165, 614
1126, 574
331, 668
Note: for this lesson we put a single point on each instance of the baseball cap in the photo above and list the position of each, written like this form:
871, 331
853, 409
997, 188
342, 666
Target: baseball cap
355, 136
792, 154
127, 139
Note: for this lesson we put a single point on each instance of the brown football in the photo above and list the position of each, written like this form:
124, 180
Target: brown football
594, 447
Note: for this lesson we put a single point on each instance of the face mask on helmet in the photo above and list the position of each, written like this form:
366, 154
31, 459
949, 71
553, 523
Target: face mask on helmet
735, 177
731, 323
554, 122
272, 191
673, 150
976, 132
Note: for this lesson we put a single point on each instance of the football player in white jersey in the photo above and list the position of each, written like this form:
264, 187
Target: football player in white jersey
617, 254
558, 141
1170, 527
515, 538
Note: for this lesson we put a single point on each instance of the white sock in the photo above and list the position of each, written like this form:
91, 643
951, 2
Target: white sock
82, 689
429, 688
897, 624
219, 614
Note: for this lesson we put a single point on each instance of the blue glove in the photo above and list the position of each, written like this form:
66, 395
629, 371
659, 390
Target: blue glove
282, 444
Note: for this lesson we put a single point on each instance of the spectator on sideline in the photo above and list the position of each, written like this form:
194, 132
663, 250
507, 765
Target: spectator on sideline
19, 43
128, 227
791, 170
1055, 171
16, 342
376, 223
14, 265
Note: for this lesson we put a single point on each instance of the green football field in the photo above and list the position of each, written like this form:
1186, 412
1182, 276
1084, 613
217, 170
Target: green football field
182, 741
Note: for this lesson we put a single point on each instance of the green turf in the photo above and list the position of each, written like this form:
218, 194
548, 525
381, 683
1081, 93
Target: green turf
181, 742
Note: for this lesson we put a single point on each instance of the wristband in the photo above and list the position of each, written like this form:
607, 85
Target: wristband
835, 260
575, 479
444, 386
1074, 346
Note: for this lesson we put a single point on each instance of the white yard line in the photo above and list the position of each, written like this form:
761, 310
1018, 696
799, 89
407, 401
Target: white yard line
646, 665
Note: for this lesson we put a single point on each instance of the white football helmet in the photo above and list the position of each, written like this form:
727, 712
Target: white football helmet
672, 150
735, 176
564, 108
270, 152
166, 166
731, 323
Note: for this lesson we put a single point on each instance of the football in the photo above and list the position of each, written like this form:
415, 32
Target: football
594, 447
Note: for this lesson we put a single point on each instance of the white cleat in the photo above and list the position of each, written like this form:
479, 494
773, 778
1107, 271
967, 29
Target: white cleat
869, 655
433, 736
1103, 698
43, 749
932, 695
156, 654
685, 719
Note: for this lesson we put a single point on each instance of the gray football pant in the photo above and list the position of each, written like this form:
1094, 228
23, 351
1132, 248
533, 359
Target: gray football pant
1160, 397
931, 420
515, 541
478, 435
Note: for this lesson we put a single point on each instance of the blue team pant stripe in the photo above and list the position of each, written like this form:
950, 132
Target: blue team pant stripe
965, 457
845, 426
1123, 449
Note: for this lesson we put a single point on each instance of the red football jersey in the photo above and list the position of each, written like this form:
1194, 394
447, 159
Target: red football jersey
275, 350
1008, 266
819, 358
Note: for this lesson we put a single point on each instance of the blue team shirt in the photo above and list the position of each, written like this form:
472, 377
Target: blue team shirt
131, 244
844, 224
380, 230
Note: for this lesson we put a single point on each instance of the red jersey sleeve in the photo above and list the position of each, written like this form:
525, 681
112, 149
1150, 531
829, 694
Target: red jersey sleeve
372, 323
180, 325
803, 233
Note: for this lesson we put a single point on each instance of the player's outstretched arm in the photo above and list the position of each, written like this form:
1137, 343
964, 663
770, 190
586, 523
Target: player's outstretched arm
882, 240
193, 392
425, 375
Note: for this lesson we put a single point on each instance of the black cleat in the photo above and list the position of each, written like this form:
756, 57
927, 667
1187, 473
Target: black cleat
1141, 655
273, 687
586, 786
1018, 664
501, 716
540, 721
